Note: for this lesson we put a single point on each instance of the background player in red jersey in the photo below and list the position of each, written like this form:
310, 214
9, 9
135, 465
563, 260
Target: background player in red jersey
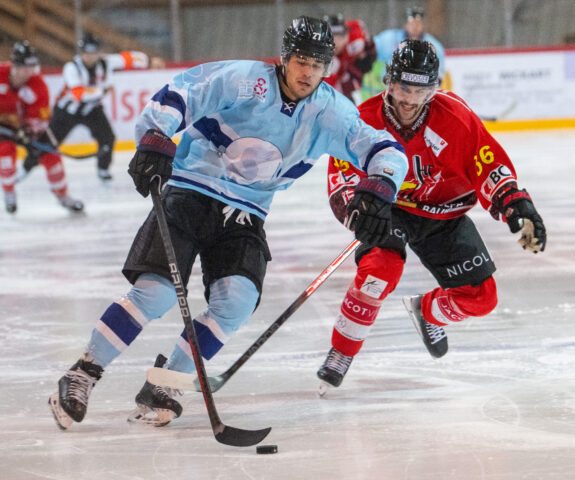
453, 163
354, 54
25, 109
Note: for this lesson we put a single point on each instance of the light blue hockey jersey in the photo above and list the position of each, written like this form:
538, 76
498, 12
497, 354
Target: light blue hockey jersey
241, 143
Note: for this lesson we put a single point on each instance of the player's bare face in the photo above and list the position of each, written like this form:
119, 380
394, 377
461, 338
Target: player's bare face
302, 76
414, 28
408, 101
20, 74
89, 59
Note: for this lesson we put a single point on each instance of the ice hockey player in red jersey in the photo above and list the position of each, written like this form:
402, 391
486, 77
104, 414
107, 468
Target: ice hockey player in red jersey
25, 111
354, 54
453, 163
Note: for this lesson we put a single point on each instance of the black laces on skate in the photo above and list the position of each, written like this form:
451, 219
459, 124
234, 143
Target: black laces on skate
80, 386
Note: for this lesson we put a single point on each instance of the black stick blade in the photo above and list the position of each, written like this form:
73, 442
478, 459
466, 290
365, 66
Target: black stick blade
237, 437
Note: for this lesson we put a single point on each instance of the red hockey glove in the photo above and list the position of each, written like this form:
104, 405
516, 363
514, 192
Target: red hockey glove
369, 212
154, 156
519, 212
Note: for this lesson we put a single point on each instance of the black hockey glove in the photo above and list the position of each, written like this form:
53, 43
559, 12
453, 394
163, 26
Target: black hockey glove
369, 212
154, 156
518, 209
23, 137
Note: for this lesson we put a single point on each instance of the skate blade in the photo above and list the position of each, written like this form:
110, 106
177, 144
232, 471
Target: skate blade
323, 388
412, 317
60, 416
146, 416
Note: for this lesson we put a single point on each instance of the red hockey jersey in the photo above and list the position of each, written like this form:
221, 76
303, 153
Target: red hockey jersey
28, 106
453, 161
345, 76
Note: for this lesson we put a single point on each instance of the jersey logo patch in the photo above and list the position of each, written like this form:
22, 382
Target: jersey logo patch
495, 179
260, 89
373, 286
253, 89
434, 141
288, 108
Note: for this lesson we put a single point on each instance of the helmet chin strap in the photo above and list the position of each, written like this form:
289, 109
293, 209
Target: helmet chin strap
388, 99
280, 69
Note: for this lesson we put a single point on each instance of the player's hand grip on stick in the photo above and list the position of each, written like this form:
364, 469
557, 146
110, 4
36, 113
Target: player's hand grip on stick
153, 159
369, 211
26, 141
223, 433
170, 378
520, 213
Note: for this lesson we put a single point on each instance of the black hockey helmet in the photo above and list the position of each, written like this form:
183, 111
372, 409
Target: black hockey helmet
23, 55
310, 37
414, 62
89, 44
414, 12
336, 23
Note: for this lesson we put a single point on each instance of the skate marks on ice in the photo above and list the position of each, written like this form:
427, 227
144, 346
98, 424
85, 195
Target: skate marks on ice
499, 406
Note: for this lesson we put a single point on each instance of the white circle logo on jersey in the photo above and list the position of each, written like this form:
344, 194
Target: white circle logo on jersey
249, 160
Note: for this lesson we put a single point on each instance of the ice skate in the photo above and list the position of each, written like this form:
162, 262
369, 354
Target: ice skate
433, 336
71, 204
70, 402
10, 202
333, 370
155, 405
104, 175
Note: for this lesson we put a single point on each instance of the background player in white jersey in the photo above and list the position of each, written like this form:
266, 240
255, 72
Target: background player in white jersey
87, 79
249, 129
453, 163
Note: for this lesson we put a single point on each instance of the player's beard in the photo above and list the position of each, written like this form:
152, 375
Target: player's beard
405, 113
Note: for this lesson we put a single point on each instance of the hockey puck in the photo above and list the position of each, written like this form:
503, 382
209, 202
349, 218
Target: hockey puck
263, 449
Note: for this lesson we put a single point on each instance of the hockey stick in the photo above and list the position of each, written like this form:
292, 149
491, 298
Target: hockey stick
170, 378
223, 433
502, 115
45, 147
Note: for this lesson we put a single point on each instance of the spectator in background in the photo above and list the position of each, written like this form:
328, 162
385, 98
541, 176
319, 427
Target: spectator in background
387, 41
24, 115
87, 79
354, 55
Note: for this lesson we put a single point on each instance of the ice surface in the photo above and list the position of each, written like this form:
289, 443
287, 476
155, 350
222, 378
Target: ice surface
499, 406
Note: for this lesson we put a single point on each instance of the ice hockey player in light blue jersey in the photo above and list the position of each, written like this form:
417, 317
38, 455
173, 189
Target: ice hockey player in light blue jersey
242, 141
248, 129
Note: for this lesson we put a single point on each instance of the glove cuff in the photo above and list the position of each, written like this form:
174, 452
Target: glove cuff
156, 141
512, 196
377, 185
507, 196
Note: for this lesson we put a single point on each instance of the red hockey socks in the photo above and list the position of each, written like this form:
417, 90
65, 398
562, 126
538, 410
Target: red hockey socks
377, 276
444, 307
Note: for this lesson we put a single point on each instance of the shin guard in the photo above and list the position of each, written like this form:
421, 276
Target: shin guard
377, 276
